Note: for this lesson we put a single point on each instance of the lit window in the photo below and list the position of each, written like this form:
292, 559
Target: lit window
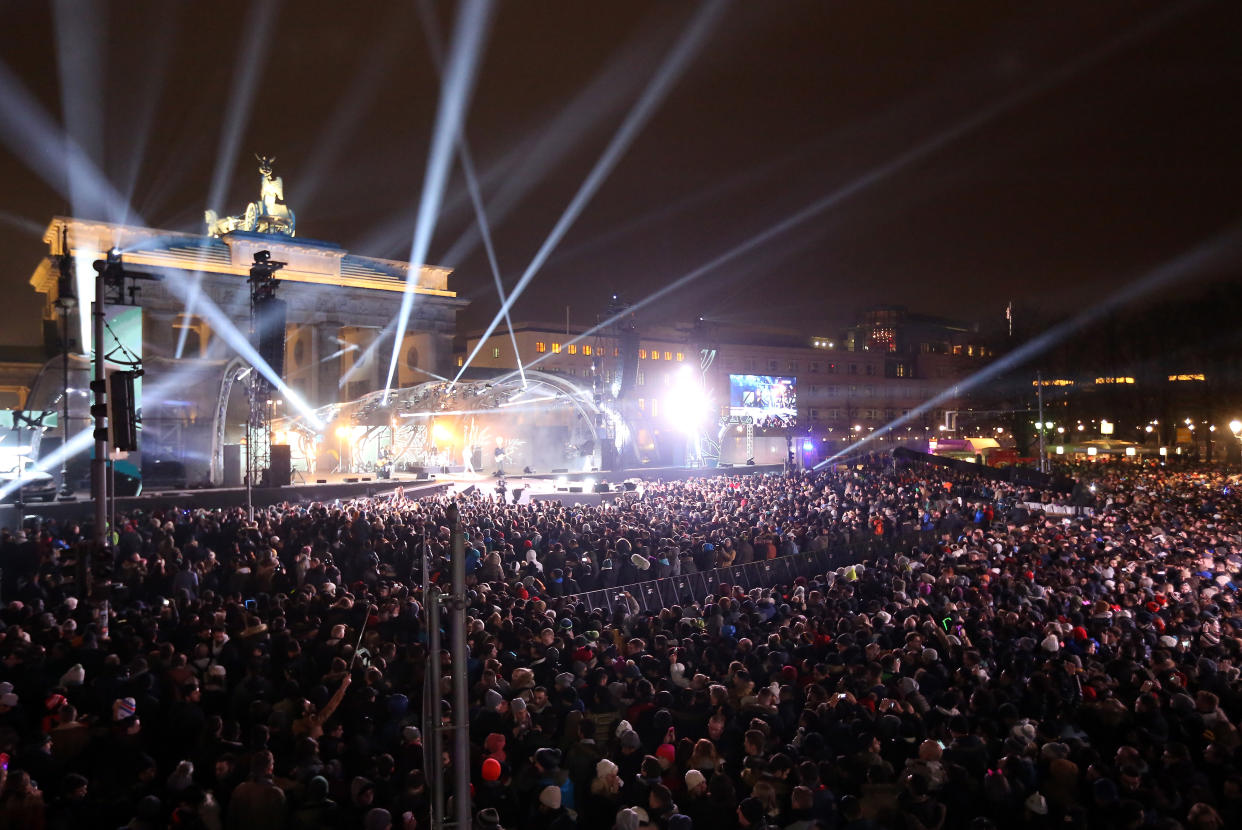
680, 357
668, 355
586, 350
573, 349
460, 360
642, 354
495, 353
642, 404
640, 378
556, 348
541, 346
655, 407
616, 352
655, 355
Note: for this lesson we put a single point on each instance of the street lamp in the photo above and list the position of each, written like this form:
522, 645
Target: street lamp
66, 301
1235, 426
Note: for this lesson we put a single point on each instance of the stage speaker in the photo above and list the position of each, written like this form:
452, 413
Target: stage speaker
575, 488
561, 470
476, 458
321, 481
270, 329
601, 487
724, 465
232, 465
629, 343
366, 478
351, 479
280, 466
422, 476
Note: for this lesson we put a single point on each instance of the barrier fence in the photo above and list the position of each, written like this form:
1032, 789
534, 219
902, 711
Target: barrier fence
657, 594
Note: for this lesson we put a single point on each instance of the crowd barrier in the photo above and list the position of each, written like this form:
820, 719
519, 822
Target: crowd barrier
1059, 509
656, 594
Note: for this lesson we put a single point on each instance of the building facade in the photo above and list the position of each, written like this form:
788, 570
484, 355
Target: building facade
843, 393
340, 315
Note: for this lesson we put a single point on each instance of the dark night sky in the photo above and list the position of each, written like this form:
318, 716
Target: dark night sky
1088, 178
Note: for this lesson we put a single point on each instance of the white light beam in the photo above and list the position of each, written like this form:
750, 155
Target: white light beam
670, 70
473, 22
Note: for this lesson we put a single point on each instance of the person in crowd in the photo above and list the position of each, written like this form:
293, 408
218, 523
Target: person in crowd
928, 649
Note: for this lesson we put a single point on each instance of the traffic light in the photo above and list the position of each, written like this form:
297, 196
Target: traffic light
122, 417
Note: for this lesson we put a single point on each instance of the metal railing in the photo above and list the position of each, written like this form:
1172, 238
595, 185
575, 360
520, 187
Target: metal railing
657, 594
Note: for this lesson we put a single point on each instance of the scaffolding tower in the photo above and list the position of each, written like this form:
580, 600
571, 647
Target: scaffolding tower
267, 337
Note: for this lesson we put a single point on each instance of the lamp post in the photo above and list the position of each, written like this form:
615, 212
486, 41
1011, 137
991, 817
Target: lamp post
66, 301
1235, 426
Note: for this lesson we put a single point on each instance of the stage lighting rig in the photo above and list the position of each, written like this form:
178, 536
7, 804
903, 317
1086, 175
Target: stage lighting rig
119, 283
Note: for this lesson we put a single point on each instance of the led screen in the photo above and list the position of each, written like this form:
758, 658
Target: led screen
767, 399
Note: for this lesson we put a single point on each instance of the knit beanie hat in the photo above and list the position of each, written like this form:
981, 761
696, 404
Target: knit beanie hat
550, 797
627, 819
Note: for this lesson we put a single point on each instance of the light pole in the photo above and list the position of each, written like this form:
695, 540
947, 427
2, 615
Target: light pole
66, 301
1235, 426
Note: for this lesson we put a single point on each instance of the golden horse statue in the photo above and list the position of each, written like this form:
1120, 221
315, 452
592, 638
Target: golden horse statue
268, 215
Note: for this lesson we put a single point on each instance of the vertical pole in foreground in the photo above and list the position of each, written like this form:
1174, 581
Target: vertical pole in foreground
1043, 456
99, 482
461, 707
432, 734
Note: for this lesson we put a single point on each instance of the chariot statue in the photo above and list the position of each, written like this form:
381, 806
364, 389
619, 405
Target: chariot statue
268, 215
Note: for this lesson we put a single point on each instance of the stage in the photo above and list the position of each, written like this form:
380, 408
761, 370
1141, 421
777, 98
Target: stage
580, 487
335, 487
565, 487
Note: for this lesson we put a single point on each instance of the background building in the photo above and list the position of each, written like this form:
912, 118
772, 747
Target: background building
897, 363
339, 307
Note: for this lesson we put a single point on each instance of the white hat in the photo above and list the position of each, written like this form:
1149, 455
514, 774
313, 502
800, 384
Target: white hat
1051, 643
550, 797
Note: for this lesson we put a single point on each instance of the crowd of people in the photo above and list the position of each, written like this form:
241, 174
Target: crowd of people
1010, 667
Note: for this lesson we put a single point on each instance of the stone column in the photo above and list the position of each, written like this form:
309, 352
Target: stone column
327, 371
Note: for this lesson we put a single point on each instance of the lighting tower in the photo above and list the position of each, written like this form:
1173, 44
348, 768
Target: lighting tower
259, 425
